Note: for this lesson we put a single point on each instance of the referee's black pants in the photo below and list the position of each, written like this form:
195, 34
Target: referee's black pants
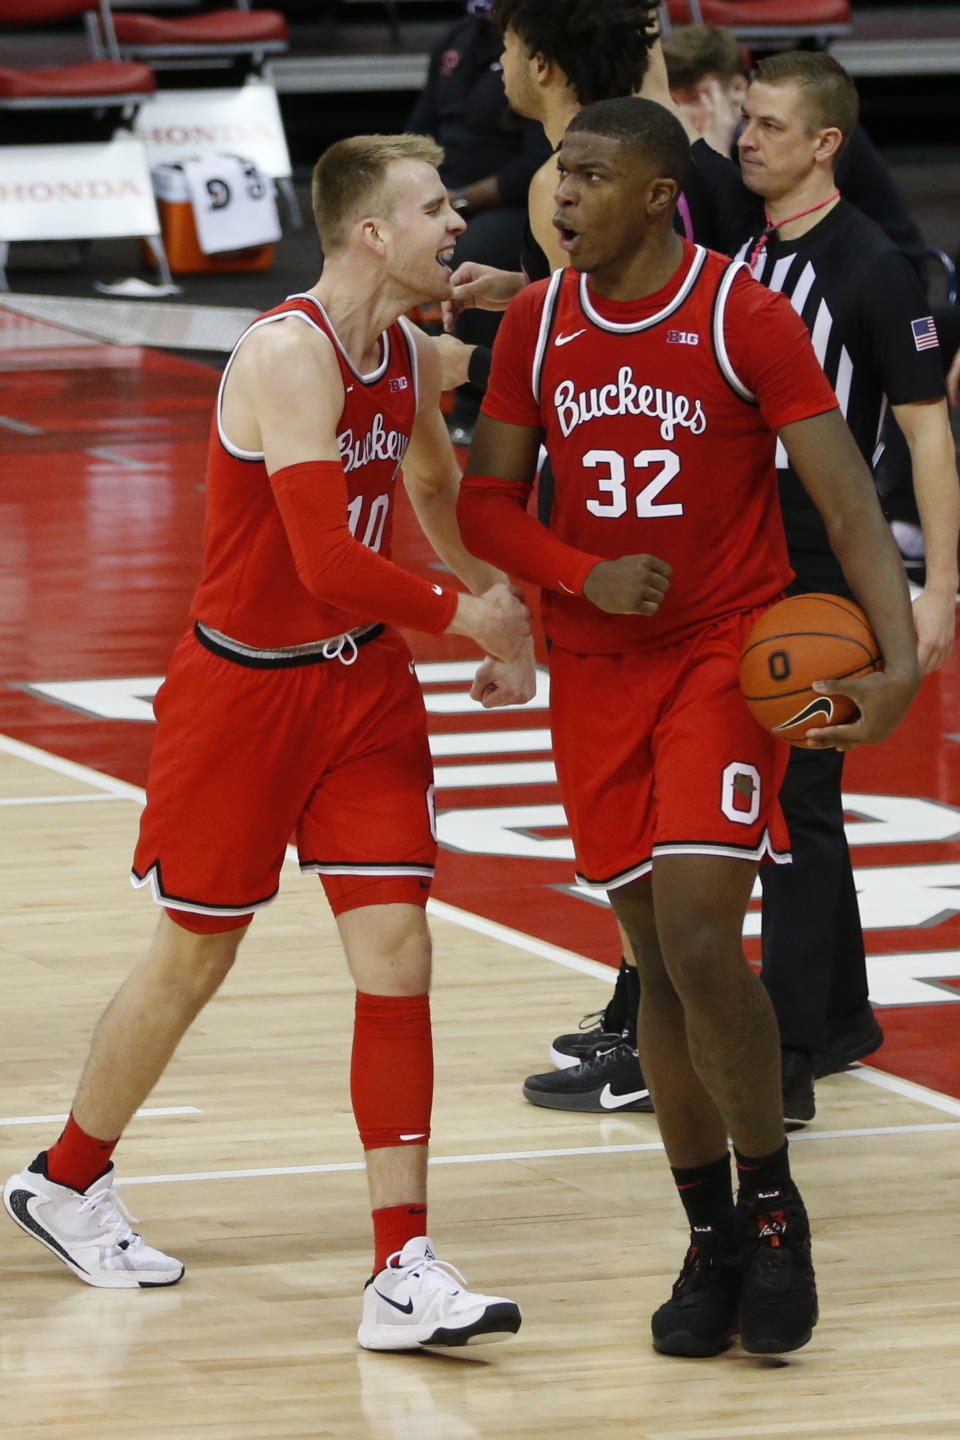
814, 966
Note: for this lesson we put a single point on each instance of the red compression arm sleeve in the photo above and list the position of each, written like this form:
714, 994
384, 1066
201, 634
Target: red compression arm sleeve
334, 566
496, 527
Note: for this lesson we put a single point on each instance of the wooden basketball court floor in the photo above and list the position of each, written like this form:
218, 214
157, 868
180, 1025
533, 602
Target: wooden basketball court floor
245, 1161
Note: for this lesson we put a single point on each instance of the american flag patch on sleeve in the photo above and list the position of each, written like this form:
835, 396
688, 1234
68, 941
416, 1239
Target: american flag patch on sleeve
925, 335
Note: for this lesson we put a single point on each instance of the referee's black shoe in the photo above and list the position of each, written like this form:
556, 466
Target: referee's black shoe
610, 1082
796, 1069
596, 1034
861, 1037
601, 1029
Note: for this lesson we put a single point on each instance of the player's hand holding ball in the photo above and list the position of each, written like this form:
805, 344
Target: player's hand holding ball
632, 585
812, 674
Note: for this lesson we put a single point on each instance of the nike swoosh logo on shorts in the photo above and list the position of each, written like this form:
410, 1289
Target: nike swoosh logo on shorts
609, 1101
816, 707
404, 1309
565, 339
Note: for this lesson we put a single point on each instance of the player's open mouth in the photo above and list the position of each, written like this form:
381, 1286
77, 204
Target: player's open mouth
445, 258
566, 237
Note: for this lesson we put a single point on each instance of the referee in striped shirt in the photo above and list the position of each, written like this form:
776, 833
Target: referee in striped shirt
877, 342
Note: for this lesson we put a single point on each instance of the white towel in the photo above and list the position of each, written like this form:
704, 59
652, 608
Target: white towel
234, 206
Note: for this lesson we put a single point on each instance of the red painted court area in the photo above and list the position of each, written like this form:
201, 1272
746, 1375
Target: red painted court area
102, 453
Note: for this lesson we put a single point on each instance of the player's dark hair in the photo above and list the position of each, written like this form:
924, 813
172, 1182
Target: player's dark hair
694, 51
602, 46
642, 126
351, 179
830, 94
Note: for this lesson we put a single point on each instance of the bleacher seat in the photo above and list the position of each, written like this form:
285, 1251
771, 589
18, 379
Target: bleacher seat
211, 39
104, 81
781, 23
76, 170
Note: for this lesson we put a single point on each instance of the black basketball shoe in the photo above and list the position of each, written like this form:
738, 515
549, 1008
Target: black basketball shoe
589, 1040
601, 1029
611, 1081
859, 1039
778, 1301
700, 1317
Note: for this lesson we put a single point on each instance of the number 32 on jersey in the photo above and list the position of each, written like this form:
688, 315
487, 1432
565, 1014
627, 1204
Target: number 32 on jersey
613, 483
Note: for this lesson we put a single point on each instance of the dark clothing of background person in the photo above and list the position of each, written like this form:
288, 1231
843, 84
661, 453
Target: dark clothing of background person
858, 296
463, 106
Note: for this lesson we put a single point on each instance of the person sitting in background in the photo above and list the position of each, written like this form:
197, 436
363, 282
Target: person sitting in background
709, 72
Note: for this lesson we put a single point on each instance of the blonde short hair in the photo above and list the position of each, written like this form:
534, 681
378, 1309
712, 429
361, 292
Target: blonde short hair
350, 179
829, 94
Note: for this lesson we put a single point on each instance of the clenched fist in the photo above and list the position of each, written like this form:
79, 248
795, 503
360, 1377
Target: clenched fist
632, 585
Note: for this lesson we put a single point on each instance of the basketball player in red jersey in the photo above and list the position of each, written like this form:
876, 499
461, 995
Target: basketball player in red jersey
291, 706
658, 375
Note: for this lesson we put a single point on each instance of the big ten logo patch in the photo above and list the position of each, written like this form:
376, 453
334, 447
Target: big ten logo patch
740, 793
683, 337
398, 382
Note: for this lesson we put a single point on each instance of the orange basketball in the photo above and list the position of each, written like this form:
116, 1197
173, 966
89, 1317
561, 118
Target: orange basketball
797, 641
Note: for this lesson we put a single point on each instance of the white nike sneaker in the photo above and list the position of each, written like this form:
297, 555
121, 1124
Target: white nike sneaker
419, 1300
87, 1229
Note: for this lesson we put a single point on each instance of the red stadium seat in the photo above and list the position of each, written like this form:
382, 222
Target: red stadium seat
103, 81
70, 86
214, 38
787, 22
75, 171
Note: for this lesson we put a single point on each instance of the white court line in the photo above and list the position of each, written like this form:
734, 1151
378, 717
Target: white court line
495, 1156
58, 799
909, 1088
464, 918
139, 1114
519, 941
71, 768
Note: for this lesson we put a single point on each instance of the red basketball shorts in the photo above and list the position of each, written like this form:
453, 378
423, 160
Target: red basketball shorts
657, 754
244, 758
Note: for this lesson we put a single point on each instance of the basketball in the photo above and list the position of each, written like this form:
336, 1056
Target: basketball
797, 641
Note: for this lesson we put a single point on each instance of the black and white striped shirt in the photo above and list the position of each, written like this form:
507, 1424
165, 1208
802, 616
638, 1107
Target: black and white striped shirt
859, 298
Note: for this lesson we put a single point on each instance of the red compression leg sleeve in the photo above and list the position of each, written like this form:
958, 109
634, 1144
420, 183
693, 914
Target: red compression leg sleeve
391, 1073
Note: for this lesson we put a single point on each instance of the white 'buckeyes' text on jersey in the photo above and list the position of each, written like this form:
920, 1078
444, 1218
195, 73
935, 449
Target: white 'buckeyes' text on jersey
624, 397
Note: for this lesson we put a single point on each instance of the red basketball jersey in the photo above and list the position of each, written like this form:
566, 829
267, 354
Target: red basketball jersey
250, 589
659, 419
